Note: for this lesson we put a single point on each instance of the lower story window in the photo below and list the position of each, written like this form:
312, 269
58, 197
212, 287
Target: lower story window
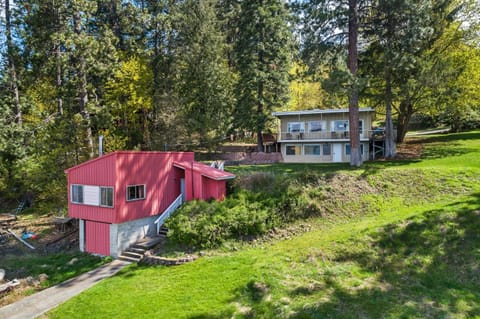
135, 192
327, 149
348, 150
106, 196
293, 150
312, 149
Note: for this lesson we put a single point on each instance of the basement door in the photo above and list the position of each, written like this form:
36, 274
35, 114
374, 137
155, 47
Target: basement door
97, 238
337, 152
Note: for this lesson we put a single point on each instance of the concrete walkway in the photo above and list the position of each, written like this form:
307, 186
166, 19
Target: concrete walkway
39, 303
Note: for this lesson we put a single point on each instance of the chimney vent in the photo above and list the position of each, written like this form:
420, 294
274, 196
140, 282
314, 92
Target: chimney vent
100, 145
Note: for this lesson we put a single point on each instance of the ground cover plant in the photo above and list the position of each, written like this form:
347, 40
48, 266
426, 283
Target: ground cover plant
397, 240
37, 272
54, 259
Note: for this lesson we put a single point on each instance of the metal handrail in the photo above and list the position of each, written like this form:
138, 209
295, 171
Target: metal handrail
327, 135
168, 212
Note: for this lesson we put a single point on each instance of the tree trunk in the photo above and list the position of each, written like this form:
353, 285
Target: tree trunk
404, 116
355, 150
390, 150
82, 89
12, 71
58, 62
59, 81
260, 109
260, 117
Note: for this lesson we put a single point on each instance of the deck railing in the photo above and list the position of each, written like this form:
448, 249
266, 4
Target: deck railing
324, 135
168, 212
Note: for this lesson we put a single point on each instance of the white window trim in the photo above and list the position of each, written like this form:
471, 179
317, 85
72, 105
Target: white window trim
71, 194
136, 199
113, 197
99, 195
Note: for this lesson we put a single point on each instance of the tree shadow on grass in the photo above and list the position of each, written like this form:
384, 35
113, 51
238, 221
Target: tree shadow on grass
450, 150
427, 268
452, 137
449, 145
423, 267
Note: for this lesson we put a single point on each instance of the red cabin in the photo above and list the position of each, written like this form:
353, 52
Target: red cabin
125, 196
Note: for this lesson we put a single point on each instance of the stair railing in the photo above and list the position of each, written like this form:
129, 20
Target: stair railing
168, 212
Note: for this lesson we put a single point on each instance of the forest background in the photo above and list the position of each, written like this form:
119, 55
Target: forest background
188, 75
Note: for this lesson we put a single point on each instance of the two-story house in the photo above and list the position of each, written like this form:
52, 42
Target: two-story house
318, 136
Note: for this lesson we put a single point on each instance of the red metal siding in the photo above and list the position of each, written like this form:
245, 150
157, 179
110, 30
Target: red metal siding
210, 189
197, 185
99, 172
155, 170
97, 238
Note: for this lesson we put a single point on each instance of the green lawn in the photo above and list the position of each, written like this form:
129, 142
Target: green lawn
414, 254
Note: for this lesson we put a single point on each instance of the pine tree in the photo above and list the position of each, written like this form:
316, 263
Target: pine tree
328, 26
205, 81
262, 59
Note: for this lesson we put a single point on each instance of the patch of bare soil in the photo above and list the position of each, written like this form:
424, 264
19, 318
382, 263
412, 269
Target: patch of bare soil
410, 149
49, 238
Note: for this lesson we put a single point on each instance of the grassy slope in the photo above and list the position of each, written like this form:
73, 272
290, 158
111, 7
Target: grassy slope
417, 259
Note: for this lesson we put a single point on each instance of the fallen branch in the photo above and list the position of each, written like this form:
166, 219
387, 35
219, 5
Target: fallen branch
9, 285
20, 239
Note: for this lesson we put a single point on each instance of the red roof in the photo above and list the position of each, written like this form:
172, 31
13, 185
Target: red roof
115, 153
205, 170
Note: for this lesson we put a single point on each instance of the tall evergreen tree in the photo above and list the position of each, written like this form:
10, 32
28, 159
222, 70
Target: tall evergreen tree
327, 26
353, 26
401, 35
161, 39
262, 59
205, 81
12, 67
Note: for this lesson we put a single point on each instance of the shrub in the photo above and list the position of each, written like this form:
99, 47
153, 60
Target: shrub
265, 201
261, 202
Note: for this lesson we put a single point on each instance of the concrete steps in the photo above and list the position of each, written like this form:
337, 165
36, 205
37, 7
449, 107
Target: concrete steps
163, 232
136, 252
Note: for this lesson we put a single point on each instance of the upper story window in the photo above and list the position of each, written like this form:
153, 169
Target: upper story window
340, 126
135, 192
296, 127
317, 126
106, 196
91, 195
76, 194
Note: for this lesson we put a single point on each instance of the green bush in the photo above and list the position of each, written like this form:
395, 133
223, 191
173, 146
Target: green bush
261, 202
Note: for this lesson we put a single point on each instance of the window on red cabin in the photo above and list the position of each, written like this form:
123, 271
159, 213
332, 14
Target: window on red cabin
135, 192
106, 196
76, 194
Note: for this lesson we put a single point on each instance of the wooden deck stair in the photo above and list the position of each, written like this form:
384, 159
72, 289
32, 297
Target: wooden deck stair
136, 252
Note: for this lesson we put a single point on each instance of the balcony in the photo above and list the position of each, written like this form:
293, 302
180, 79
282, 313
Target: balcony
344, 135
